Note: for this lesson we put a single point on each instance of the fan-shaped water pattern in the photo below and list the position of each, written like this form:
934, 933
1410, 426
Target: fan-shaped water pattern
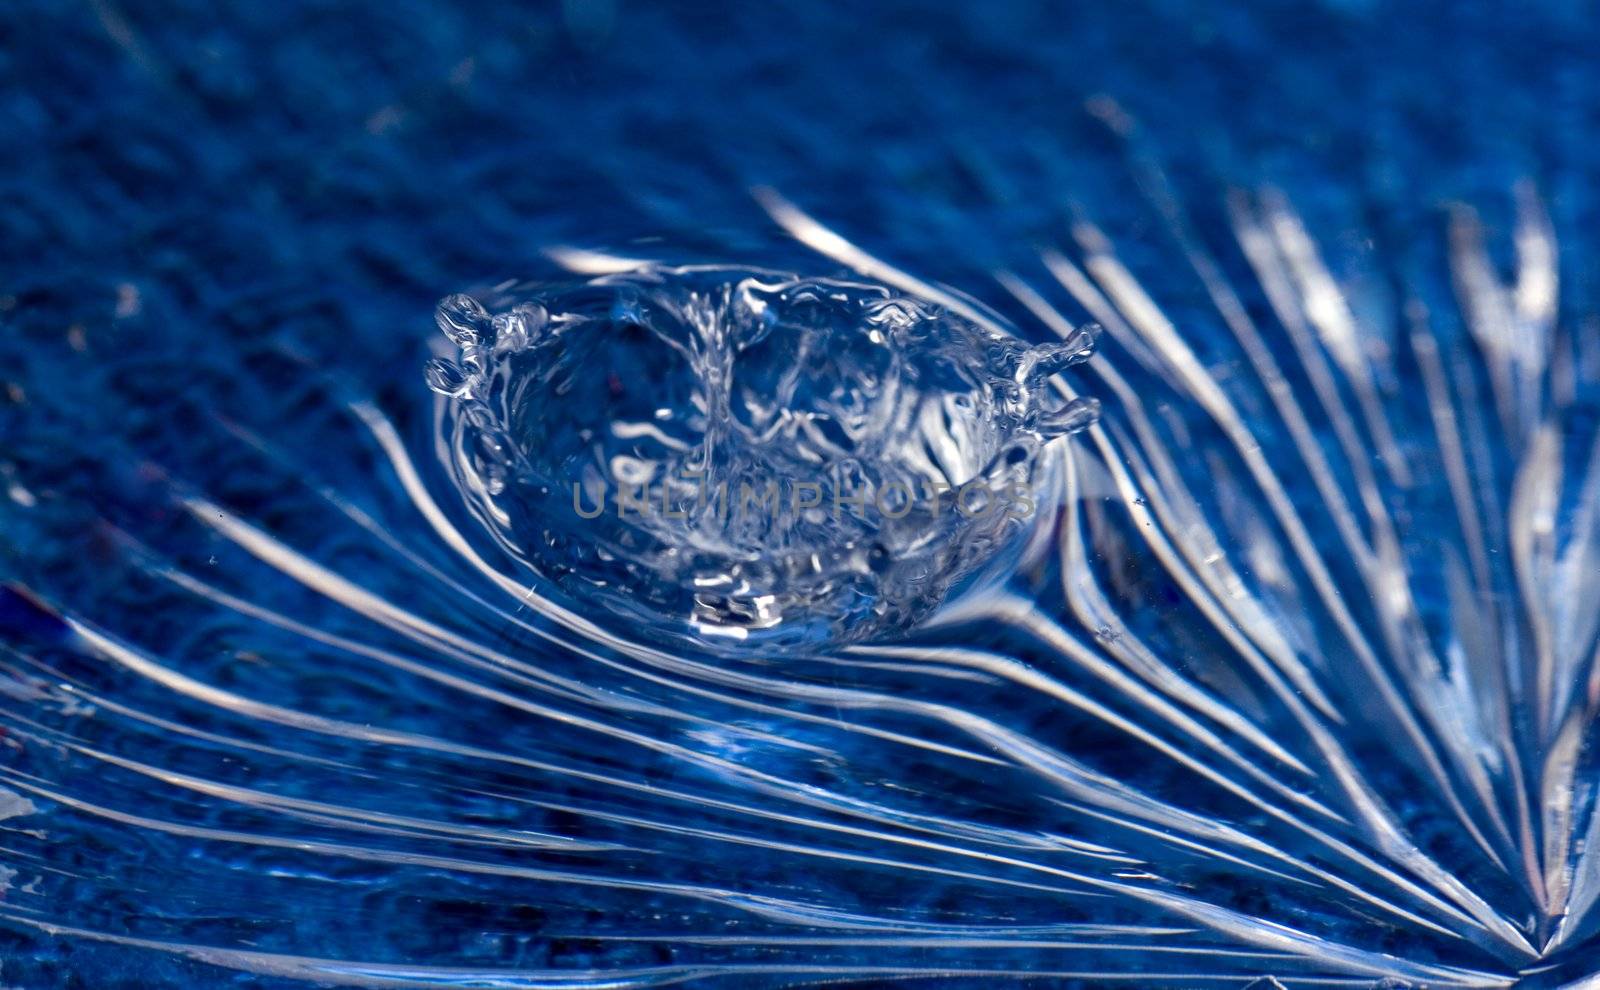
1290, 681
1208, 626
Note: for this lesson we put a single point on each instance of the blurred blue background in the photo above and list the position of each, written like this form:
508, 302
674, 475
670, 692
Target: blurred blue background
342, 166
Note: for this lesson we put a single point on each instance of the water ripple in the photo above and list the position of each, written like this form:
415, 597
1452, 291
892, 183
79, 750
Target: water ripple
1295, 680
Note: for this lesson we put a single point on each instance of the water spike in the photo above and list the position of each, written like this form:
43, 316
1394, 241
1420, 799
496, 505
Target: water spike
1044, 360
1074, 417
462, 319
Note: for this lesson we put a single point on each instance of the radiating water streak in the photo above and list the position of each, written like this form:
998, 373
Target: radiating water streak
102, 704
1326, 308
1321, 875
829, 244
1130, 454
1491, 676
1564, 627
1185, 369
1513, 327
1447, 433
1532, 508
1386, 830
349, 817
836, 696
1110, 791
1211, 916
1321, 304
1165, 836
986, 835
1163, 506
26, 782
130, 658
1158, 189
396, 977
1265, 256
949, 827
383, 433
1073, 651
584, 262
1208, 395
1070, 649
1020, 613
1389, 829
1183, 714
1023, 614
356, 819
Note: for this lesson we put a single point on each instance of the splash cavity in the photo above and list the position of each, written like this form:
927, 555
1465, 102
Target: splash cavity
738, 453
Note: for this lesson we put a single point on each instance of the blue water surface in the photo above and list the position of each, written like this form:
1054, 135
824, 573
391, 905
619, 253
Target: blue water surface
262, 723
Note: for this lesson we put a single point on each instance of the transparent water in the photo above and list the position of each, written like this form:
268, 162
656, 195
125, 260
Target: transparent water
750, 456
1288, 679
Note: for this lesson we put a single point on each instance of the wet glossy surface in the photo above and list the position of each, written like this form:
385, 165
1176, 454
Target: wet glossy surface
1297, 681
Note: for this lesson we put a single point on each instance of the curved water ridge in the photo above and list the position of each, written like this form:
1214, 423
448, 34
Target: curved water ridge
1256, 709
736, 452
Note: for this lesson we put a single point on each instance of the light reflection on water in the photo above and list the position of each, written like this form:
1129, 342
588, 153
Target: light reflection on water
1293, 676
